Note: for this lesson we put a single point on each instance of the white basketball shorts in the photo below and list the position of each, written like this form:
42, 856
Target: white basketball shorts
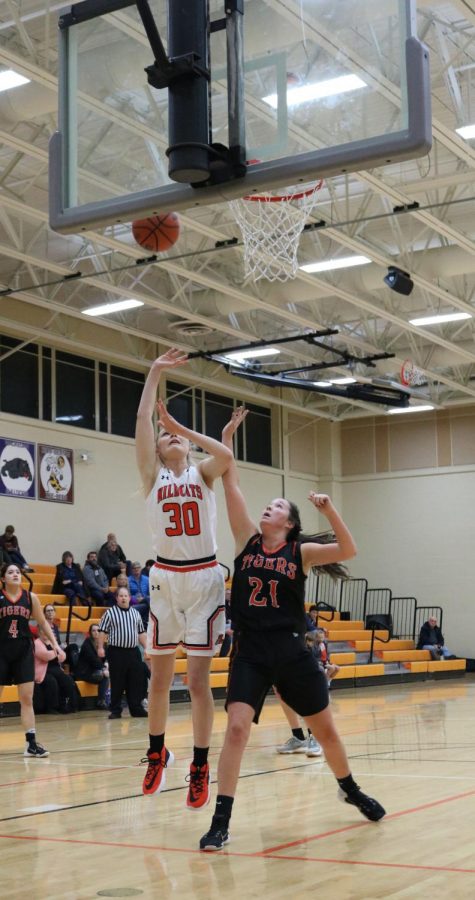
187, 608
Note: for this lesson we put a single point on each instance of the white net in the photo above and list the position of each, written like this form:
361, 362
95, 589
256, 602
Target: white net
271, 225
411, 376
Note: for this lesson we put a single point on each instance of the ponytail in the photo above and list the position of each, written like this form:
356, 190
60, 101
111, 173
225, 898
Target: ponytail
334, 570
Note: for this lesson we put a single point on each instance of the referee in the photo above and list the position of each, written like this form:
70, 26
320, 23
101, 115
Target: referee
126, 630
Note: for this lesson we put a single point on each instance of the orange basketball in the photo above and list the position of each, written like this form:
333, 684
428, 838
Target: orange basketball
157, 233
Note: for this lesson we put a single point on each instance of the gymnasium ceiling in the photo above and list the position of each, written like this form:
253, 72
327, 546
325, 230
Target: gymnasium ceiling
202, 301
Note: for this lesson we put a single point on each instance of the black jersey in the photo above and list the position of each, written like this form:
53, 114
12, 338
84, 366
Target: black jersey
267, 592
15, 617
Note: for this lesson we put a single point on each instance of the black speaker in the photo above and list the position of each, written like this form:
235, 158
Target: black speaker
399, 281
345, 616
378, 621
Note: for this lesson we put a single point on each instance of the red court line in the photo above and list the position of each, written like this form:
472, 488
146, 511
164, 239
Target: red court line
33, 781
397, 815
262, 855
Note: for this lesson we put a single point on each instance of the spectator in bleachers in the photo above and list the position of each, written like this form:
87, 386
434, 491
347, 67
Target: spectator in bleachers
228, 628
139, 592
317, 643
69, 696
69, 579
125, 630
92, 668
96, 581
112, 558
121, 581
9, 543
50, 616
148, 565
432, 639
46, 691
4, 557
311, 618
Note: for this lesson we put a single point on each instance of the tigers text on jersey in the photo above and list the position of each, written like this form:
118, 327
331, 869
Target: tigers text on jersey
182, 515
268, 588
15, 616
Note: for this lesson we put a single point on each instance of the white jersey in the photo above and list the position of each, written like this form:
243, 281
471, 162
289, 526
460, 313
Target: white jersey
182, 515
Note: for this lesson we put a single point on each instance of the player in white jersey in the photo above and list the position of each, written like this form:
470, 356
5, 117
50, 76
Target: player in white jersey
186, 582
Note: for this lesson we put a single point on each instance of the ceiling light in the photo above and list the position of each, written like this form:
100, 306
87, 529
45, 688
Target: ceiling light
107, 308
399, 281
10, 79
239, 355
438, 319
322, 383
342, 262
344, 380
305, 93
467, 132
408, 409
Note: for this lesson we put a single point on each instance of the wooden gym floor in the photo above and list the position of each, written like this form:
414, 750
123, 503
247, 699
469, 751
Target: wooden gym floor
76, 826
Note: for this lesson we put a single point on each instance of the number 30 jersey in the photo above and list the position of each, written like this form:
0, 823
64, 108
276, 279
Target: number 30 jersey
182, 516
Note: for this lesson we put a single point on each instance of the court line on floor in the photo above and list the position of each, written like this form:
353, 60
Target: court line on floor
404, 812
261, 855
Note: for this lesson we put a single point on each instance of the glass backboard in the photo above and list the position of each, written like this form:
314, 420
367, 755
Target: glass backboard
327, 87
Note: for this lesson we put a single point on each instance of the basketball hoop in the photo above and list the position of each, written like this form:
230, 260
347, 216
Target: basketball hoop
271, 225
411, 375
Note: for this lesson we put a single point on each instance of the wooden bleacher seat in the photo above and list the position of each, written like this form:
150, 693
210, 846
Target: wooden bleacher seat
343, 659
393, 644
402, 655
353, 635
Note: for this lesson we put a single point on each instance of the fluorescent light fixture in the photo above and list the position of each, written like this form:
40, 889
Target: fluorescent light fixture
409, 409
342, 262
438, 319
467, 132
10, 79
239, 355
107, 308
331, 87
322, 383
69, 418
344, 380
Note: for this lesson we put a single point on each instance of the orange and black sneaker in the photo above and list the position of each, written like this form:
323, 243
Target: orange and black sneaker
154, 780
198, 790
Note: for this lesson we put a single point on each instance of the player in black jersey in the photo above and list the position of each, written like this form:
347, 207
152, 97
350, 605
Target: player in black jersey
17, 666
268, 612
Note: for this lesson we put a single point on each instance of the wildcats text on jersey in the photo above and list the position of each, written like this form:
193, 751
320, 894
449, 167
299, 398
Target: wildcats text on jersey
165, 491
272, 563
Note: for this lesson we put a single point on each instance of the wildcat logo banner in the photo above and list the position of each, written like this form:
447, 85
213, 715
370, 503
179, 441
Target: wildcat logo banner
17, 469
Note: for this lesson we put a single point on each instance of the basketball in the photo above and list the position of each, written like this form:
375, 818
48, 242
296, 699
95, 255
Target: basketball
157, 233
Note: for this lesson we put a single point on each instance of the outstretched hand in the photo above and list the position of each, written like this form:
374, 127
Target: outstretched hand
321, 501
166, 421
235, 421
171, 359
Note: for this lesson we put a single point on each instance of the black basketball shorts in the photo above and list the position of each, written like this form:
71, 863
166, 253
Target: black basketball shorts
261, 660
17, 661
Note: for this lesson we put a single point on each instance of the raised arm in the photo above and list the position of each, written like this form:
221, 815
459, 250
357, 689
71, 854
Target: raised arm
144, 431
241, 523
343, 547
218, 460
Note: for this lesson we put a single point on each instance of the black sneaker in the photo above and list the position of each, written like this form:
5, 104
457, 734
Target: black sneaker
36, 751
367, 806
215, 838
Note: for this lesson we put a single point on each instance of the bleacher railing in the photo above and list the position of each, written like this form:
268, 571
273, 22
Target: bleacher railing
353, 597
402, 611
76, 615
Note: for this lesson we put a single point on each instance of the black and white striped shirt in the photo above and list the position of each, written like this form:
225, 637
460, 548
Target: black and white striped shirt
123, 626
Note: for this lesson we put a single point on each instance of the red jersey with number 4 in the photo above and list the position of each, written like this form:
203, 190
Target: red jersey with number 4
268, 588
182, 515
15, 617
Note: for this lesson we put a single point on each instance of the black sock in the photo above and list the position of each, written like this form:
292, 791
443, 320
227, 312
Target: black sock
200, 756
30, 736
157, 742
223, 809
347, 784
298, 733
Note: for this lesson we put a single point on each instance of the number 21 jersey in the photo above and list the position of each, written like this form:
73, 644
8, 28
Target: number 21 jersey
182, 516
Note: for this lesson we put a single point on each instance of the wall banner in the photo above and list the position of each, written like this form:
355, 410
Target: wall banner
17, 469
55, 474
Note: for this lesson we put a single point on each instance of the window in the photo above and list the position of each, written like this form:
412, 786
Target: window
47, 399
218, 411
257, 435
103, 398
19, 378
126, 390
184, 404
75, 394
